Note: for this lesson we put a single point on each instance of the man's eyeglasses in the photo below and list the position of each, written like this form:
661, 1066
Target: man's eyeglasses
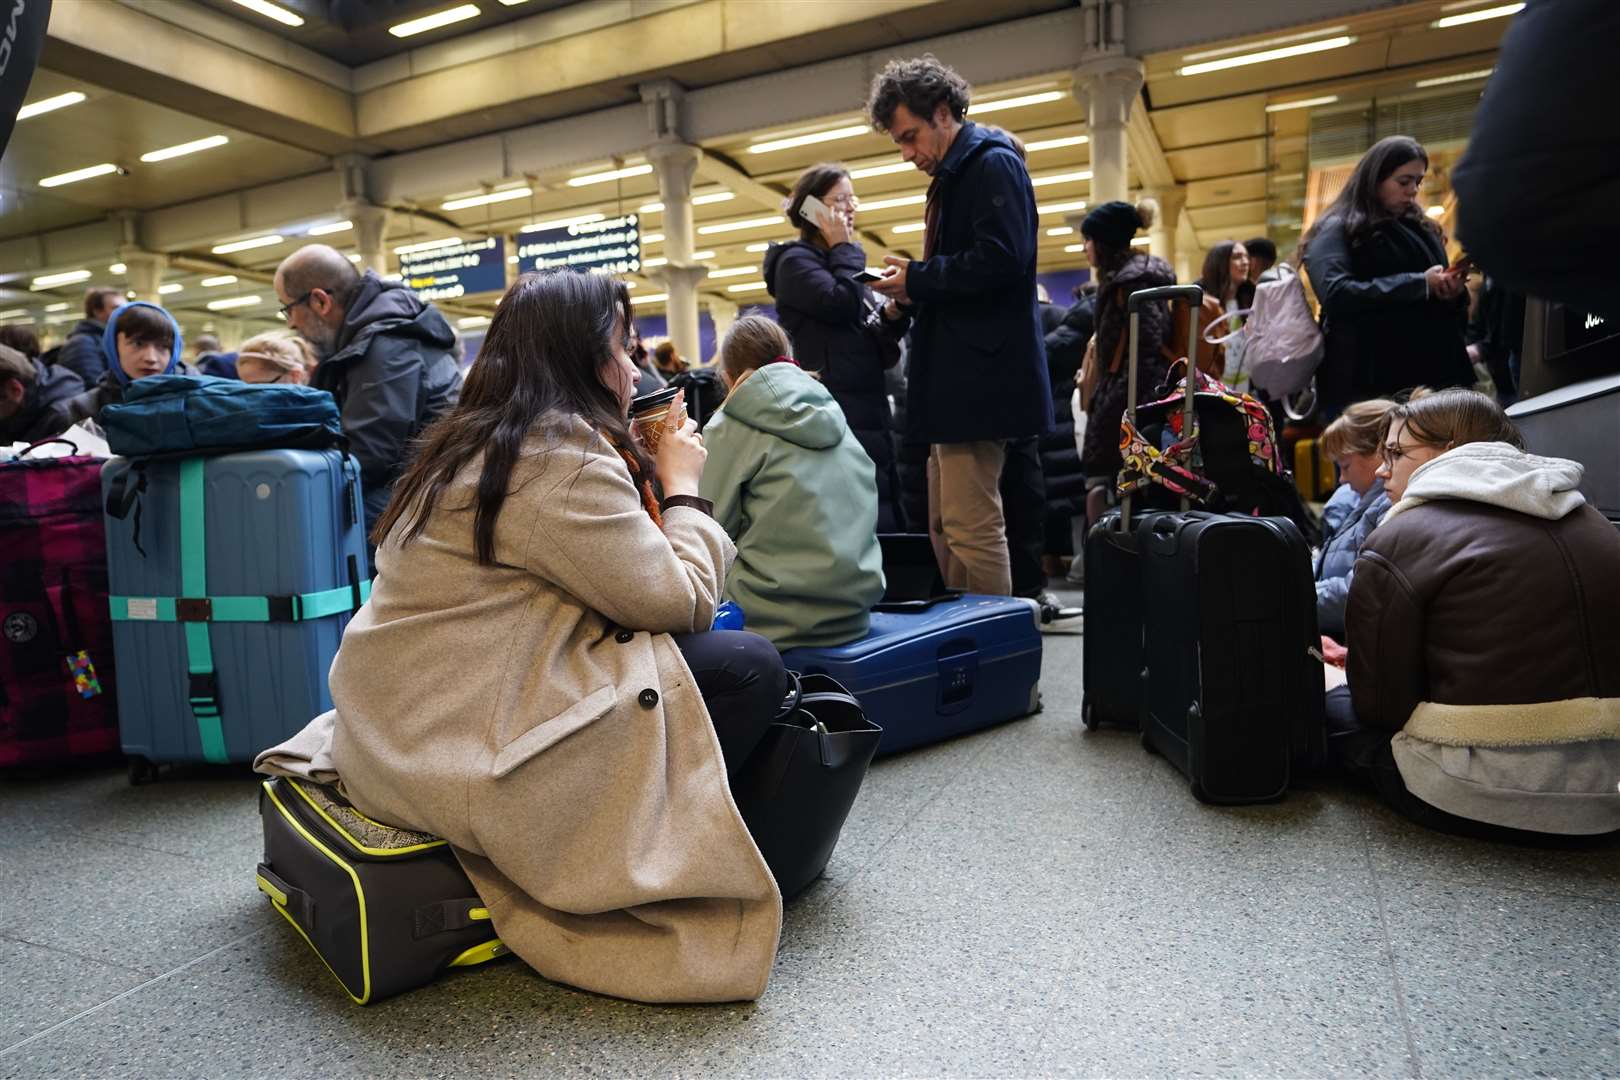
286, 309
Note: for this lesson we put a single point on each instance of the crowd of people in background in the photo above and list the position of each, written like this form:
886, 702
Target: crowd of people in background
948, 395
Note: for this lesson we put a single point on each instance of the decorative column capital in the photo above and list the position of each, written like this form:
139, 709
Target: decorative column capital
666, 109
1171, 199
1107, 87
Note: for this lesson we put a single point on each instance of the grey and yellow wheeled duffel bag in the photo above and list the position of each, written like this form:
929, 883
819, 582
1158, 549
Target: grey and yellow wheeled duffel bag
386, 909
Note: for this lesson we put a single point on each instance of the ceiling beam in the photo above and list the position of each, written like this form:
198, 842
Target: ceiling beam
1145, 150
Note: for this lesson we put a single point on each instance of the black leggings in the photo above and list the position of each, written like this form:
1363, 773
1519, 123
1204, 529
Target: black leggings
743, 682
1366, 752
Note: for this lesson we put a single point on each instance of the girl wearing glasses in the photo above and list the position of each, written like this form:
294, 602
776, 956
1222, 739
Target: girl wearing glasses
1484, 653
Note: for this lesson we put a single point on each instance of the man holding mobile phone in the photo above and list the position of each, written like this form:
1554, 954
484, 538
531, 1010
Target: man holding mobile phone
977, 373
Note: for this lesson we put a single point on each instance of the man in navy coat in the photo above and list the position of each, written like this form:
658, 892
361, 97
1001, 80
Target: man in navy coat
978, 363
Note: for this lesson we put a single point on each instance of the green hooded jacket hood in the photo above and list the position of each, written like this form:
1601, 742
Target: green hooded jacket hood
798, 495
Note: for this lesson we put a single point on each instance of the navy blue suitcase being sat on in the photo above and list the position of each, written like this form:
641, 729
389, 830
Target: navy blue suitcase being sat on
934, 664
236, 554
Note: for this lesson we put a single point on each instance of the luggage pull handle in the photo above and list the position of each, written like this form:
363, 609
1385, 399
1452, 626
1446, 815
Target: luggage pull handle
1194, 295
295, 902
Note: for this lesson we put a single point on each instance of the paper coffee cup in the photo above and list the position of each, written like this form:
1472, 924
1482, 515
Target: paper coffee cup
653, 414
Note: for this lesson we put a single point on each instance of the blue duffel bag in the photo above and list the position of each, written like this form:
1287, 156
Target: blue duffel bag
172, 414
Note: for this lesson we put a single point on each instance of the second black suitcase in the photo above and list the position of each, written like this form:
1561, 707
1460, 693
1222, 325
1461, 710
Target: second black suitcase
1234, 693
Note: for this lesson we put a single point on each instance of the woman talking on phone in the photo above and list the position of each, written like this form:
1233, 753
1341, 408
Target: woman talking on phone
1393, 312
841, 330
534, 678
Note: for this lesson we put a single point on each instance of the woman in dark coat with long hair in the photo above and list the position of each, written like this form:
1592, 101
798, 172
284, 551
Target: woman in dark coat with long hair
841, 330
1392, 312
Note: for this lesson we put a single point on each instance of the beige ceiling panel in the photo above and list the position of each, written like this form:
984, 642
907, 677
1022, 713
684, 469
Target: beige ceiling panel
1363, 55
1211, 121
1219, 159
1428, 44
1226, 189
1227, 217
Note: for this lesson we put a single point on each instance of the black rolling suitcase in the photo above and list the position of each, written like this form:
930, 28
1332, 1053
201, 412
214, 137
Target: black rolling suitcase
1113, 668
1234, 690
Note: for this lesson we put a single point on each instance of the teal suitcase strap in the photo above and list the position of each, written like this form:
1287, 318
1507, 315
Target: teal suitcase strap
203, 682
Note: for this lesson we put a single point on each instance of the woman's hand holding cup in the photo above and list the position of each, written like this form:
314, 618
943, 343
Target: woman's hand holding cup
680, 459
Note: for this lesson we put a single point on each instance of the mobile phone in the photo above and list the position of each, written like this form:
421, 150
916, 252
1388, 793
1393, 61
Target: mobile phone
1464, 264
869, 275
815, 211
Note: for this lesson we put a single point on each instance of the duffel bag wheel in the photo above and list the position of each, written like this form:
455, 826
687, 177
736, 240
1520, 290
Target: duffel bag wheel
1088, 715
141, 771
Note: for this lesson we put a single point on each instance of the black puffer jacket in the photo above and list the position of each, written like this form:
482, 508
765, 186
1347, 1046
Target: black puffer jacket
826, 311
393, 374
81, 352
1060, 458
1100, 456
38, 417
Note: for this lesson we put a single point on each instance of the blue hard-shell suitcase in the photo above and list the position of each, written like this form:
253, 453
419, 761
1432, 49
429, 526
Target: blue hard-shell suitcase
229, 654
922, 676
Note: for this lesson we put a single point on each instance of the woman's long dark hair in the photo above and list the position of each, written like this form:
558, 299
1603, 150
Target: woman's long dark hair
1358, 206
1217, 273
817, 180
542, 358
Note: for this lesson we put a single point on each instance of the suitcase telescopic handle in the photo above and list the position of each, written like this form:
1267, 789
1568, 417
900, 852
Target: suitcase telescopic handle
1194, 295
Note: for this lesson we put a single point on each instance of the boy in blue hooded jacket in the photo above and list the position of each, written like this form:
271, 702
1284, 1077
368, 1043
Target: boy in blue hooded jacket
141, 340
793, 488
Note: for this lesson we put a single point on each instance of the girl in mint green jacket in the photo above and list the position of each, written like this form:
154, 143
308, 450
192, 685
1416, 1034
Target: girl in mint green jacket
793, 488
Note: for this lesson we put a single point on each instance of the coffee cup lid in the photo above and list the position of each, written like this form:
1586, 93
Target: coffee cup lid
655, 400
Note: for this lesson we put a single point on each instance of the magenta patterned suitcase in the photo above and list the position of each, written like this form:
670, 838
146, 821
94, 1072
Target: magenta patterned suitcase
56, 662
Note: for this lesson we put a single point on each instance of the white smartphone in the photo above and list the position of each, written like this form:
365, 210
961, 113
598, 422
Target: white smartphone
815, 211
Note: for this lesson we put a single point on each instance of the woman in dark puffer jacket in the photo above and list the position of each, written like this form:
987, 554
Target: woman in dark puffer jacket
841, 330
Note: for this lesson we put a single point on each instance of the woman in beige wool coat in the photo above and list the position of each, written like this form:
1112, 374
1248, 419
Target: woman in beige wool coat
532, 680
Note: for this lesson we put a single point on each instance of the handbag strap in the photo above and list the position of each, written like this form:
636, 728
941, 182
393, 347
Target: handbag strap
790, 702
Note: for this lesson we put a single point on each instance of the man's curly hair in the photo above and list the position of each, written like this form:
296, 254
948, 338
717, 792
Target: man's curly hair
920, 85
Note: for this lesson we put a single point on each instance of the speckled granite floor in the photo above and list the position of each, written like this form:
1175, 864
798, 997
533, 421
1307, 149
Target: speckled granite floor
1031, 900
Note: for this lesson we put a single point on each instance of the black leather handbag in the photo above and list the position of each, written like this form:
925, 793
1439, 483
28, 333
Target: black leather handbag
797, 788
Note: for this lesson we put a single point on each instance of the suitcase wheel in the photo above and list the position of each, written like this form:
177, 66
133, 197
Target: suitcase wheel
141, 771
1147, 743
1088, 715
1199, 793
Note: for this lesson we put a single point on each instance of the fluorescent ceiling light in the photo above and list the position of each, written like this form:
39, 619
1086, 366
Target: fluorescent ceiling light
654, 262
233, 302
1303, 103
1016, 102
1266, 43
752, 286
14, 313
698, 256
765, 246
558, 223
49, 281
273, 11
1466, 76
1062, 178
810, 140
460, 13
249, 244
738, 226
712, 197
1302, 49
915, 226
428, 245
612, 174
63, 306
1061, 230
1054, 144
216, 282
513, 3
76, 175
1476, 16
734, 271
890, 204
1061, 207
652, 238
883, 170
1436, 211
50, 104
485, 199
393, 277
330, 228
117, 268
185, 148
171, 288
1074, 248
1141, 241
650, 298
650, 208
473, 320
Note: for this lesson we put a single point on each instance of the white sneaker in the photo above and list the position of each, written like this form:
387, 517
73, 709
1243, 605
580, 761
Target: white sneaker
1057, 619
